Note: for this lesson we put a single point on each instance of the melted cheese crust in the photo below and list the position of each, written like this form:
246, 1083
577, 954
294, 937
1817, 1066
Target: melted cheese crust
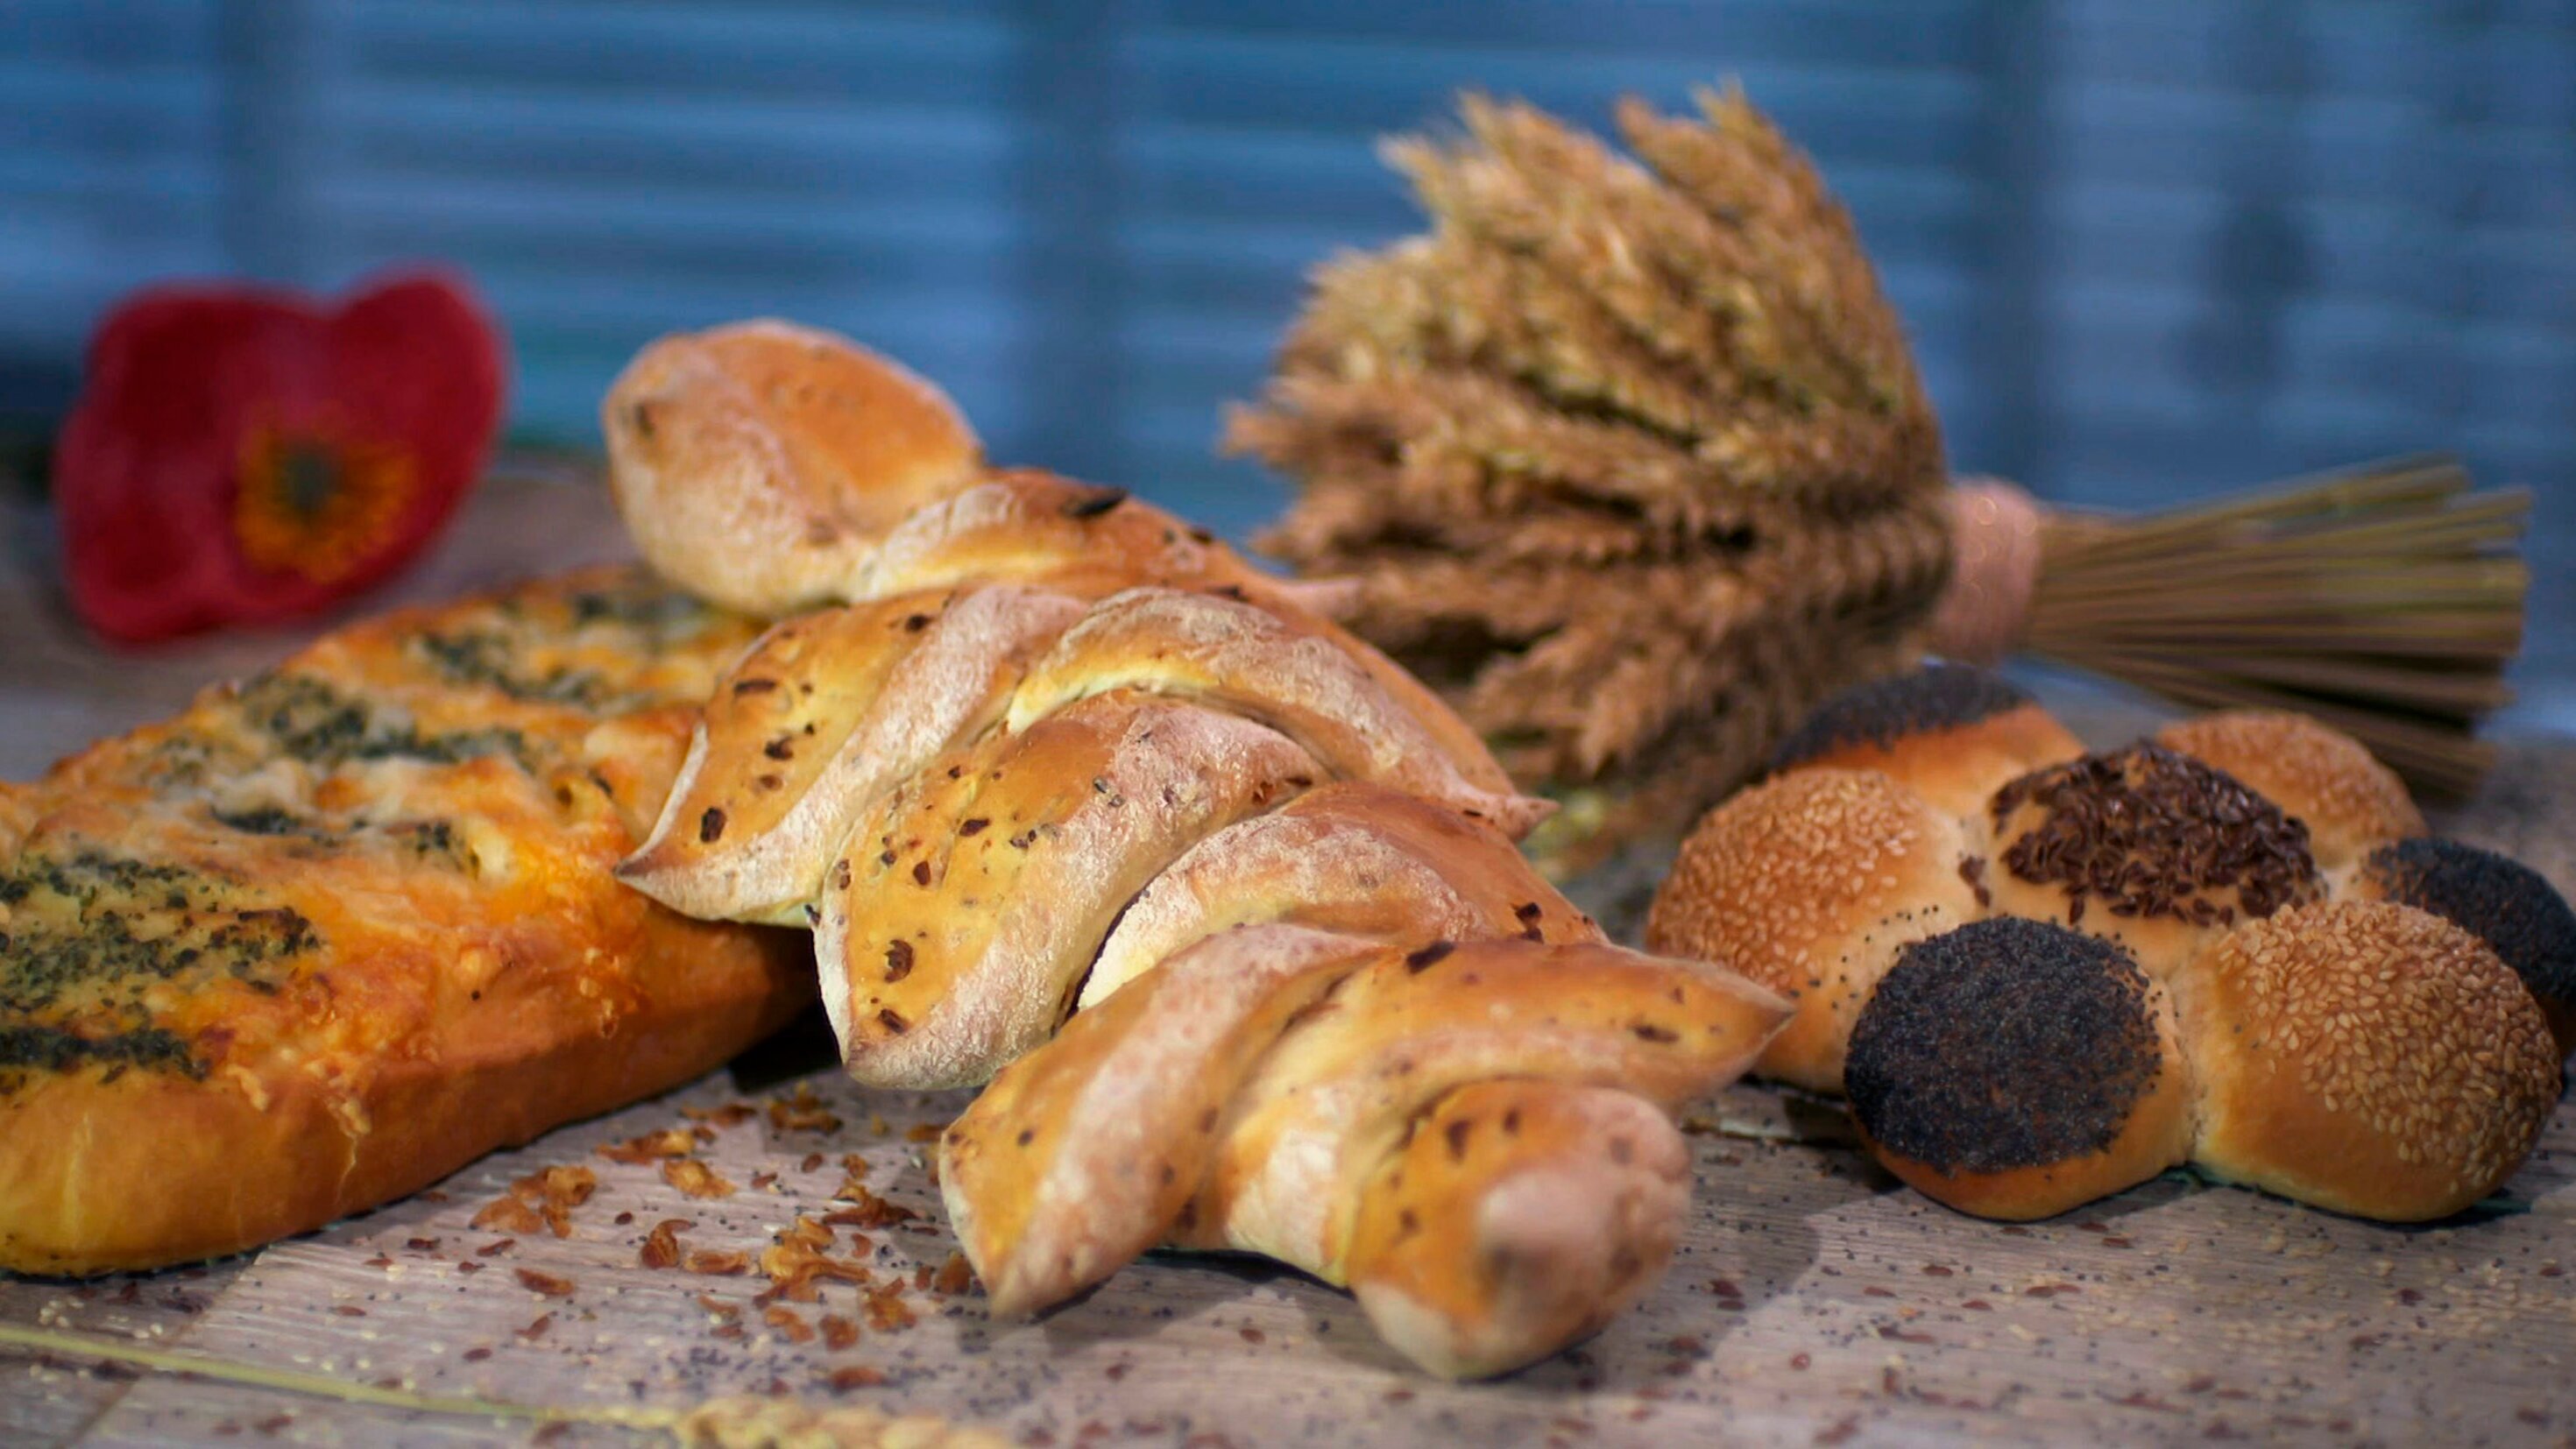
300, 874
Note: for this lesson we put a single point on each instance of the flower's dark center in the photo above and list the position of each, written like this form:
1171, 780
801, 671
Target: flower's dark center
306, 478
317, 501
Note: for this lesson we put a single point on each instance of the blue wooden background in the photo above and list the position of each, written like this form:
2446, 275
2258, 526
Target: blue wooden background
2147, 248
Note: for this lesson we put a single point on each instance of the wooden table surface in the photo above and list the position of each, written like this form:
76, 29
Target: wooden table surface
1814, 1301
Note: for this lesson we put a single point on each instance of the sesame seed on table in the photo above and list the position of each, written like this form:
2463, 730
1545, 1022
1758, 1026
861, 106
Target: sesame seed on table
774, 1228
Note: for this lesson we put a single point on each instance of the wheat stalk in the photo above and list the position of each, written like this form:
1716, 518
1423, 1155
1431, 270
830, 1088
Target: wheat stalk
745, 1421
2386, 600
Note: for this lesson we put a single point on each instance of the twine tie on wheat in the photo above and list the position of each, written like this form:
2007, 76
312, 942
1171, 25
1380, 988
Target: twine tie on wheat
1995, 550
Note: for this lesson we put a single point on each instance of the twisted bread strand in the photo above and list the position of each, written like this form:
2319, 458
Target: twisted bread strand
1056, 750
2044, 976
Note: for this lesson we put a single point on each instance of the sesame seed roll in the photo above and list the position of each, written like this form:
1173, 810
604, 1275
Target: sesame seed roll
1809, 884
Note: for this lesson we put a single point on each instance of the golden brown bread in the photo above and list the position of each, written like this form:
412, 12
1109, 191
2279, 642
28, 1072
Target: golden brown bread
329, 935
1519, 1215
2016, 1069
1810, 883
777, 468
1352, 857
2501, 901
955, 927
1079, 1157
2152, 966
2366, 1057
736, 456
1266, 1089
824, 715
983, 623
1026, 526
2361, 1056
114, 1173
1289, 673
832, 709
1021, 525
1954, 734
1272, 870
1356, 1072
2319, 776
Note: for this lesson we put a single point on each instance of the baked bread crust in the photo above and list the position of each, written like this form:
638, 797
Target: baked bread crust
1274, 666
957, 923
2382, 1038
1339, 1091
1954, 734
758, 464
1473, 1136
2351, 803
2367, 1057
1353, 857
1077, 1158
1562, 1206
1810, 884
2017, 1070
331, 934
1123, 806
819, 720
2502, 902
1024, 525
774, 468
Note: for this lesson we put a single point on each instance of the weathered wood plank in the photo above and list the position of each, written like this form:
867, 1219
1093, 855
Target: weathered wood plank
49, 1401
1812, 1298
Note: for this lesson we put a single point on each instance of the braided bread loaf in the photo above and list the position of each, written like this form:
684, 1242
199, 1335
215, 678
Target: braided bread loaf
1229, 902
2043, 976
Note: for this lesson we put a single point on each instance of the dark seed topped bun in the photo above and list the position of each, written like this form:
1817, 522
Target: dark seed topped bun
2502, 902
2007, 1043
1880, 713
2149, 832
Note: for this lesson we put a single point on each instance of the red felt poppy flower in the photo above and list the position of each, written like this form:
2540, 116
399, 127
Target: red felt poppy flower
248, 456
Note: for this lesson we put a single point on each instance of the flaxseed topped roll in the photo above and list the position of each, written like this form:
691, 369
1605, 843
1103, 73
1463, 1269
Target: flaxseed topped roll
2320, 775
2148, 848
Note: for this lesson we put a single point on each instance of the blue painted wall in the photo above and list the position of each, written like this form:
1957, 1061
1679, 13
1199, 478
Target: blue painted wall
2147, 250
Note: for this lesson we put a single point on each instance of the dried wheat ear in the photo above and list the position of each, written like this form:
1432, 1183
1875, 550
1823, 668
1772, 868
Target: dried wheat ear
1627, 455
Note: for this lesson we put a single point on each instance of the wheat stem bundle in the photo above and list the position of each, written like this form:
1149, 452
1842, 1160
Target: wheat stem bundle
2387, 600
